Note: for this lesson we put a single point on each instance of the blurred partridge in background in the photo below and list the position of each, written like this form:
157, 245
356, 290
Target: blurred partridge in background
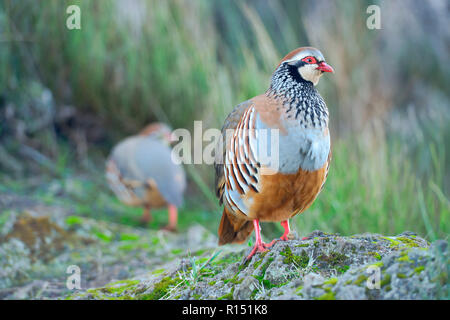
141, 172
252, 191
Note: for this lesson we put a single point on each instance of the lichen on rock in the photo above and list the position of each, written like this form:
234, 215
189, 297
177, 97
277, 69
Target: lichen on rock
322, 267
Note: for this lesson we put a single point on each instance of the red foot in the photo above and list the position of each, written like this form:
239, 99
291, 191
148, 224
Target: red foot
173, 218
284, 237
271, 243
259, 245
258, 248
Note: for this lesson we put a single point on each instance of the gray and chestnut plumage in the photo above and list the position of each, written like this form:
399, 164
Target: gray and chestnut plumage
293, 110
141, 172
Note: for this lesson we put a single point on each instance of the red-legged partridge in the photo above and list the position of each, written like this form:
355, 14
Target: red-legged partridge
141, 172
292, 111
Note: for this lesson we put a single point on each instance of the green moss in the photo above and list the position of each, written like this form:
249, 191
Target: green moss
228, 296
234, 280
408, 242
118, 288
376, 255
378, 265
103, 236
334, 258
401, 275
342, 269
260, 277
326, 296
129, 237
253, 294
257, 263
331, 281
386, 280
404, 258
96, 294
303, 245
125, 282
261, 256
393, 243
176, 251
418, 270
211, 283
361, 279
197, 296
266, 265
72, 220
268, 285
300, 261
158, 271
160, 289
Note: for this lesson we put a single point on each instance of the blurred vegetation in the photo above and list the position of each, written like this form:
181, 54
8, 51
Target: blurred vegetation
68, 95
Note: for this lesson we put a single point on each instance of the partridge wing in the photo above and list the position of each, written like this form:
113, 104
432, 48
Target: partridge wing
231, 122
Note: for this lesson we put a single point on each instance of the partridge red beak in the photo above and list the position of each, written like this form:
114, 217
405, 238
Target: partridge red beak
324, 67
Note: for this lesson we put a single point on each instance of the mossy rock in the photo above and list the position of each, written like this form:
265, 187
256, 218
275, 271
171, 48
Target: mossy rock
323, 267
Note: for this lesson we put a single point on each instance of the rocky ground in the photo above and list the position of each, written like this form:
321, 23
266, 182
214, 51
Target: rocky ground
38, 243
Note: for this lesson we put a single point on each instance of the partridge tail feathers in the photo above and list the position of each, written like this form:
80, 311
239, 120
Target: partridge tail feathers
233, 229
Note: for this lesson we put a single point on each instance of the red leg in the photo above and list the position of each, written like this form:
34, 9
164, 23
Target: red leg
284, 237
173, 218
287, 230
259, 245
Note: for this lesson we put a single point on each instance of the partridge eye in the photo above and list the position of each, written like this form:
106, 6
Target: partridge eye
309, 60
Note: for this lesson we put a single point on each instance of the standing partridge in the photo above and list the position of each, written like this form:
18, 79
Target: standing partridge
141, 172
294, 111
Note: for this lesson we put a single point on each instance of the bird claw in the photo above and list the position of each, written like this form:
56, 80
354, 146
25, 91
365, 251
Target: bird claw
284, 237
265, 246
271, 243
258, 248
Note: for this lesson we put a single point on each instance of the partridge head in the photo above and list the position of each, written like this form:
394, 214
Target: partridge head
307, 63
158, 130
